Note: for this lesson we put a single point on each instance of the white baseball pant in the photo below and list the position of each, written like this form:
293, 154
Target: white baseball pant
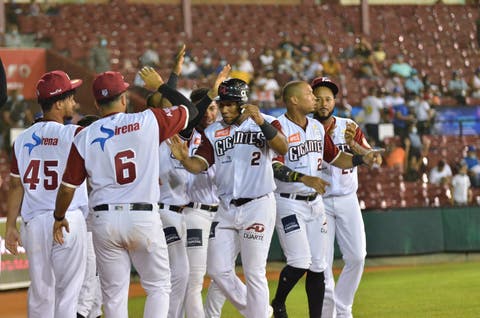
56, 271
198, 223
175, 231
120, 235
90, 299
214, 301
302, 232
345, 222
247, 229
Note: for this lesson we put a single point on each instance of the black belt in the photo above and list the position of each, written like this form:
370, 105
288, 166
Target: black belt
242, 201
299, 197
174, 208
206, 207
132, 207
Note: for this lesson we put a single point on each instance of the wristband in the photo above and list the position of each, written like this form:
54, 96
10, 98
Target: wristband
58, 219
268, 130
357, 160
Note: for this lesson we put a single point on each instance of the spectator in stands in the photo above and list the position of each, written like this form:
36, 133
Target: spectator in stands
243, 68
476, 83
206, 66
457, 88
190, 68
413, 85
424, 114
394, 83
440, 174
379, 54
415, 151
461, 188
400, 67
372, 108
99, 59
314, 69
331, 67
395, 156
13, 37
473, 165
267, 59
286, 44
16, 113
305, 46
402, 116
150, 57
368, 67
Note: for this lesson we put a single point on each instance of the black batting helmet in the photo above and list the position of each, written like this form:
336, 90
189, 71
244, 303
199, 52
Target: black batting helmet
233, 89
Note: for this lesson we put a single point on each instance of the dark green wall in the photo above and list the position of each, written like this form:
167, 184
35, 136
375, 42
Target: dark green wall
415, 231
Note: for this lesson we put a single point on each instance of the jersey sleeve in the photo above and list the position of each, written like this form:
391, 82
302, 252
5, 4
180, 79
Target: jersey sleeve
14, 165
330, 151
75, 172
205, 151
170, 120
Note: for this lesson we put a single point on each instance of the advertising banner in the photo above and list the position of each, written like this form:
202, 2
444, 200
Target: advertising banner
13, 269
23, 68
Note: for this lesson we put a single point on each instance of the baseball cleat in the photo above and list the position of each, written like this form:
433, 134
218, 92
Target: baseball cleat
279, 311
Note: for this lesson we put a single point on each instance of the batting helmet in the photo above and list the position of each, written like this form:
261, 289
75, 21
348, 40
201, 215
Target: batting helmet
233, 89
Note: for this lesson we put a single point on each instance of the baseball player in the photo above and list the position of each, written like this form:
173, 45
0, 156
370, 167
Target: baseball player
301, 223
242, 147
173, 198
38, 162
344, 217
90, 298
119, 154
199, 214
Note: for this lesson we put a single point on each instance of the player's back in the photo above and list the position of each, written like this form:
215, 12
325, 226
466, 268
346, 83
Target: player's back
41, 153
173, 178
121, 158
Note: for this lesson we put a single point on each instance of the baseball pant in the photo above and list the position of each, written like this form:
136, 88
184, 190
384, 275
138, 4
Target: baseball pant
90, 299
302, 232
247, 229
121, 235
345, 222
214, 301
175, 231
55, 282
198, 223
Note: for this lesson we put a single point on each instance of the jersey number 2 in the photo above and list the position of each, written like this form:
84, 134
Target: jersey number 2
32, 178
125, 168
255, 158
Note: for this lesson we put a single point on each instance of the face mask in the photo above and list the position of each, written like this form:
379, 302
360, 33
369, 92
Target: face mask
414, 130
103, 42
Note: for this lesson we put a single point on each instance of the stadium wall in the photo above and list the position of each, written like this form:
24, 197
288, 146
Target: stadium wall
415, 231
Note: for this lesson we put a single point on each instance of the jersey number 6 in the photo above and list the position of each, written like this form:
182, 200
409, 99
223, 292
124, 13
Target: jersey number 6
124, 167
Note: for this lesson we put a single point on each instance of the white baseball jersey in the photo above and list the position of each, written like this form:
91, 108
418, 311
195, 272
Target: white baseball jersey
253, 158
116, 152
39, 159
307, 149
173, 178
201, 187
342, 181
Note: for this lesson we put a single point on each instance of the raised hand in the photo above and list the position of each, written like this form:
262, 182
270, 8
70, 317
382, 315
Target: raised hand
152, 79
178, 147
222, 76
177, 68
350, 133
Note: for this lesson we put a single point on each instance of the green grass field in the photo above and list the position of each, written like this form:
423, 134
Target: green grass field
426, 291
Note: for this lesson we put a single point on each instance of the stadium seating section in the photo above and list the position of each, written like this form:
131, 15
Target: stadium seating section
434, 39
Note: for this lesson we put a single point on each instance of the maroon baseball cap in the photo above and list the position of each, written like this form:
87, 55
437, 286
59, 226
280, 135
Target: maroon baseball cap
108, 84
325, 81
55, 83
